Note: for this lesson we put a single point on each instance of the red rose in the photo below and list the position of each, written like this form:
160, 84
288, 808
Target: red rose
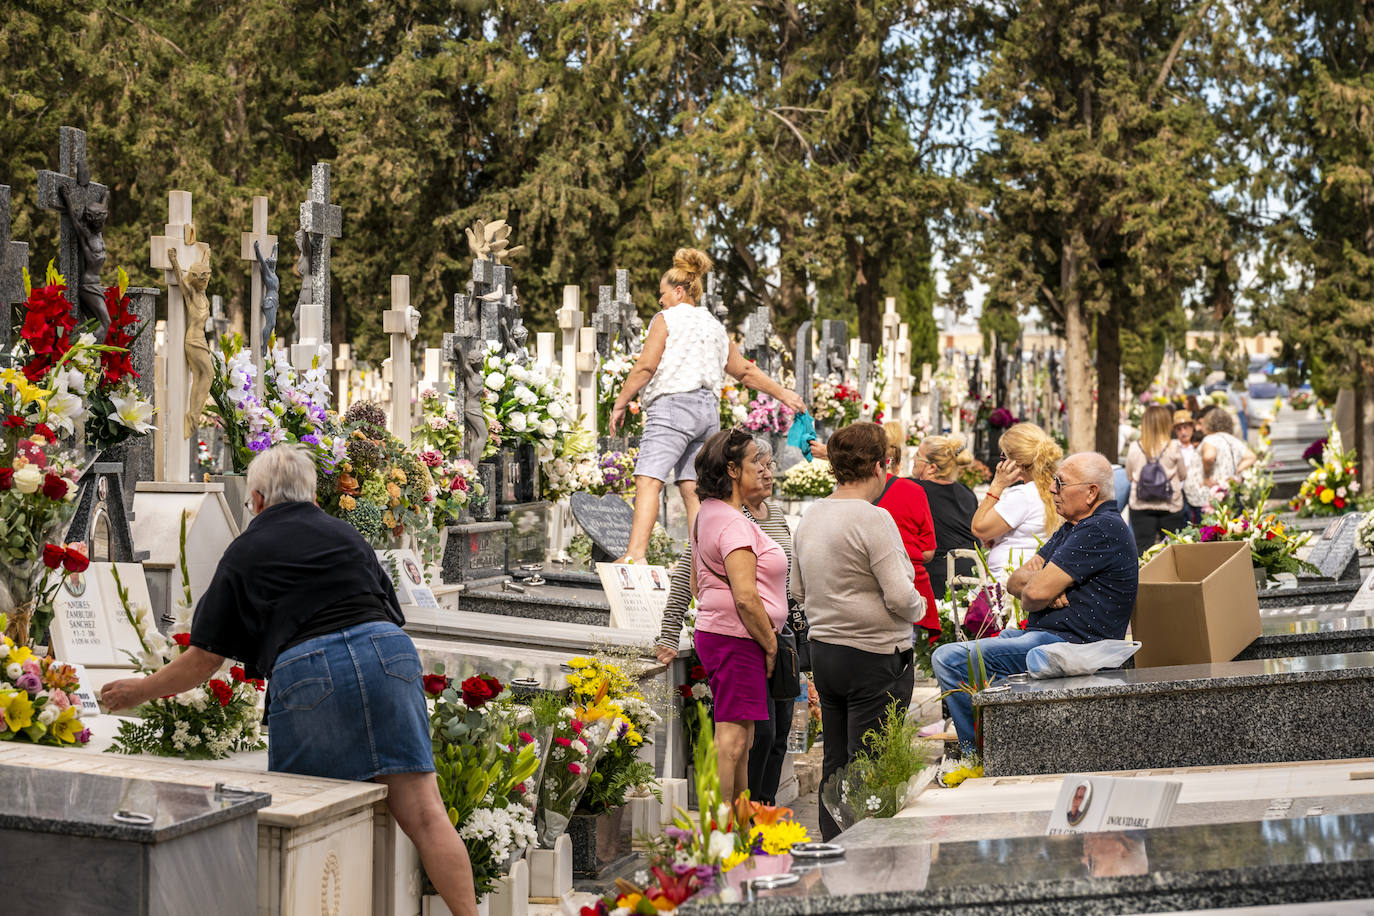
43, 430
698, 673
492, 684
54, 487
476, 692
222, 691
1338, 503
52, 556
181, 639
6, 478
74, 561
436, 684
684, 691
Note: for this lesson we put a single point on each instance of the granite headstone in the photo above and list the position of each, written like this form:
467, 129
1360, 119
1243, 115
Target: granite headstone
607, 521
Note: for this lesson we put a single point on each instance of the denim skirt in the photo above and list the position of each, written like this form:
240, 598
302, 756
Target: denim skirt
349, 705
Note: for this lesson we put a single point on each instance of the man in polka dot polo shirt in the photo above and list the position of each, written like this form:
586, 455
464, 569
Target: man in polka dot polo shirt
1080, 587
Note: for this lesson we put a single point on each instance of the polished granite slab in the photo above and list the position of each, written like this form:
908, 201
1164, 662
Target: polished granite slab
886, 869
563, 603
106, 807
1312, 629
1259, 711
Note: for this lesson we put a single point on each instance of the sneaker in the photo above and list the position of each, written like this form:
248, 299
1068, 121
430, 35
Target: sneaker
938, 727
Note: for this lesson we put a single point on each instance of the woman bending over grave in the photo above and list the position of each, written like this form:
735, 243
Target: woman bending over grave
679, 374
300, 596
739, 575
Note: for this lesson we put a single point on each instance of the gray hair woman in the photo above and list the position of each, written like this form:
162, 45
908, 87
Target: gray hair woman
300, 595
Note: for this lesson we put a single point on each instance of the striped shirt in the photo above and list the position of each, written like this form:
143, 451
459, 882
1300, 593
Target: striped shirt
680, 586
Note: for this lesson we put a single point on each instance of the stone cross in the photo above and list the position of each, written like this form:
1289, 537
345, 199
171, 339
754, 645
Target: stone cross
14, 260
466, 337
178, 233
570, 324
265, 243
321, 221
73, 174
632, 326
343, 377
401, 322
713, 300
433, 376
606, 320
805, 357
217, 324
834, 348
758, 329
864, 359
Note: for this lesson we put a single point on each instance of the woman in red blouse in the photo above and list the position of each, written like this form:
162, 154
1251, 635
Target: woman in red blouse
905, 501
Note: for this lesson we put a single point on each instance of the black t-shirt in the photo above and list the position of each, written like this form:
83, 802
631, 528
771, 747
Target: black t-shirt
951, 508
294, 573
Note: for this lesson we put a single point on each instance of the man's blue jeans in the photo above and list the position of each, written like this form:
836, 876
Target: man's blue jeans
1003, 654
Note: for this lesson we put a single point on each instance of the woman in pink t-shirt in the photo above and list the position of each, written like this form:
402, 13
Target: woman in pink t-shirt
739, 577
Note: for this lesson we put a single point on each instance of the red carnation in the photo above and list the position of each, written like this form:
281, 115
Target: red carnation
576, 726
45, 431
52, 556
54, 487
13, 422
236, 673
476, 692
698, 673
1338, 503
436, 684
222, 691
74, 561
526, 737
6, 478
181, 639
563, 742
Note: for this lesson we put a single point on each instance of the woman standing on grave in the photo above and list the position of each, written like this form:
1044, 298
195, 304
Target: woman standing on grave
938, 462
1157, 469
855, 579
1017, 513
679, 374
739, 575
769, 747
300, 595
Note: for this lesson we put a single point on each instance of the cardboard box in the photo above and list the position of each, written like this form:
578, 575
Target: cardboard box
1197, 603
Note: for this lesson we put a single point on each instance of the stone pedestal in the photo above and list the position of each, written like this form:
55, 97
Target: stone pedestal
551, 875
475, 552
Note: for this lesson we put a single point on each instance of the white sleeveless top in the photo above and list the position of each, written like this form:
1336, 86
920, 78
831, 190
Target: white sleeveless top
694, 356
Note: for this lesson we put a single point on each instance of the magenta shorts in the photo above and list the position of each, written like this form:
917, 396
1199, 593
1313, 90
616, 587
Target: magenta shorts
736, 670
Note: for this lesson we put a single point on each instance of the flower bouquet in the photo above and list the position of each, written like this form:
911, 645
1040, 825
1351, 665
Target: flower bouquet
458, 486
440, 428
835, 403
767, 415
975, 474
1331, 487
697, 700
1364, 535
734, 407
808, 478
527, 404
918, 430
381, 488
711, 857
617, 471
610, 378
1272, 547
574, 749
882, 779
605, 694
486, 771
38, 700
1301, 400
208, 722
293, 408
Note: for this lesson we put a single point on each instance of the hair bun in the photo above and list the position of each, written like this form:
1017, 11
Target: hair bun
692, 261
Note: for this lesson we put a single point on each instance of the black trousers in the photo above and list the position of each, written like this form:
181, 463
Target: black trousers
769, 749
1149, 525
855, 688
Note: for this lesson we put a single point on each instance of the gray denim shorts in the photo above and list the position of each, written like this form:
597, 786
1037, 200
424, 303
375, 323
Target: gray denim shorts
676, 426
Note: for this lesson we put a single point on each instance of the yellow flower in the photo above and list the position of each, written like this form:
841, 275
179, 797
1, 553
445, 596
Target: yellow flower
388, 519
347, 503
67, 726
579, 662
399, 474
19, 654
393, 491
779, 837
17, 709
1328, 495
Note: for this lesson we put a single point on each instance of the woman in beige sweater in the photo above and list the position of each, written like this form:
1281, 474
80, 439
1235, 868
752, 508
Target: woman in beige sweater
854, 576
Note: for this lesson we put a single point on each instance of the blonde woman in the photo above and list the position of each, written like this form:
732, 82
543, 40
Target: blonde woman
679, 375
1017, 514
936, 466
1157, 468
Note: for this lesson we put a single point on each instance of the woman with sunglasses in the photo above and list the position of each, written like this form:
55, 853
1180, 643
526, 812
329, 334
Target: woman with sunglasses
1017, 514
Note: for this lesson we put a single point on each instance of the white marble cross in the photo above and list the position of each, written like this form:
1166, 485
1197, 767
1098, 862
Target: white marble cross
401, 322
343, 377
265, 243
178, 233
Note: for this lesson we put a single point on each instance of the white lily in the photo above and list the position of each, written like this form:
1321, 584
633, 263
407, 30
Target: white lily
65, 409
133, 413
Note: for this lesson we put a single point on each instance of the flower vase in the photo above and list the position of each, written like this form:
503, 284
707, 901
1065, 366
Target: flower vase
760, 866
1261, 578
20, 622
598, 841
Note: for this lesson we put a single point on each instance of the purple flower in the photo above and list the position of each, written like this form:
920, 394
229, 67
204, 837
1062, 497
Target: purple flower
1002, 418
260, 442
30, 682
1211, 533
1314, 451
311, 438
677, 833
84, 736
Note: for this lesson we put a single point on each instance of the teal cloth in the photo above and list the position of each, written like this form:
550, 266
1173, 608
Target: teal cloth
802, 433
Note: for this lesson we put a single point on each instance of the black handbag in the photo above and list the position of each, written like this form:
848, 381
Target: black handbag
785, 681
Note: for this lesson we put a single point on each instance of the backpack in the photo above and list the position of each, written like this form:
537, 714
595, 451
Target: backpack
1154, 485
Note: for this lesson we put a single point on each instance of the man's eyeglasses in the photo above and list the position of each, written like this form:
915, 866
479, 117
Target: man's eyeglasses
1057, 484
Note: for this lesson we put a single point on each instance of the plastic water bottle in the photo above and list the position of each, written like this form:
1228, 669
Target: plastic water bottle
796, 737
